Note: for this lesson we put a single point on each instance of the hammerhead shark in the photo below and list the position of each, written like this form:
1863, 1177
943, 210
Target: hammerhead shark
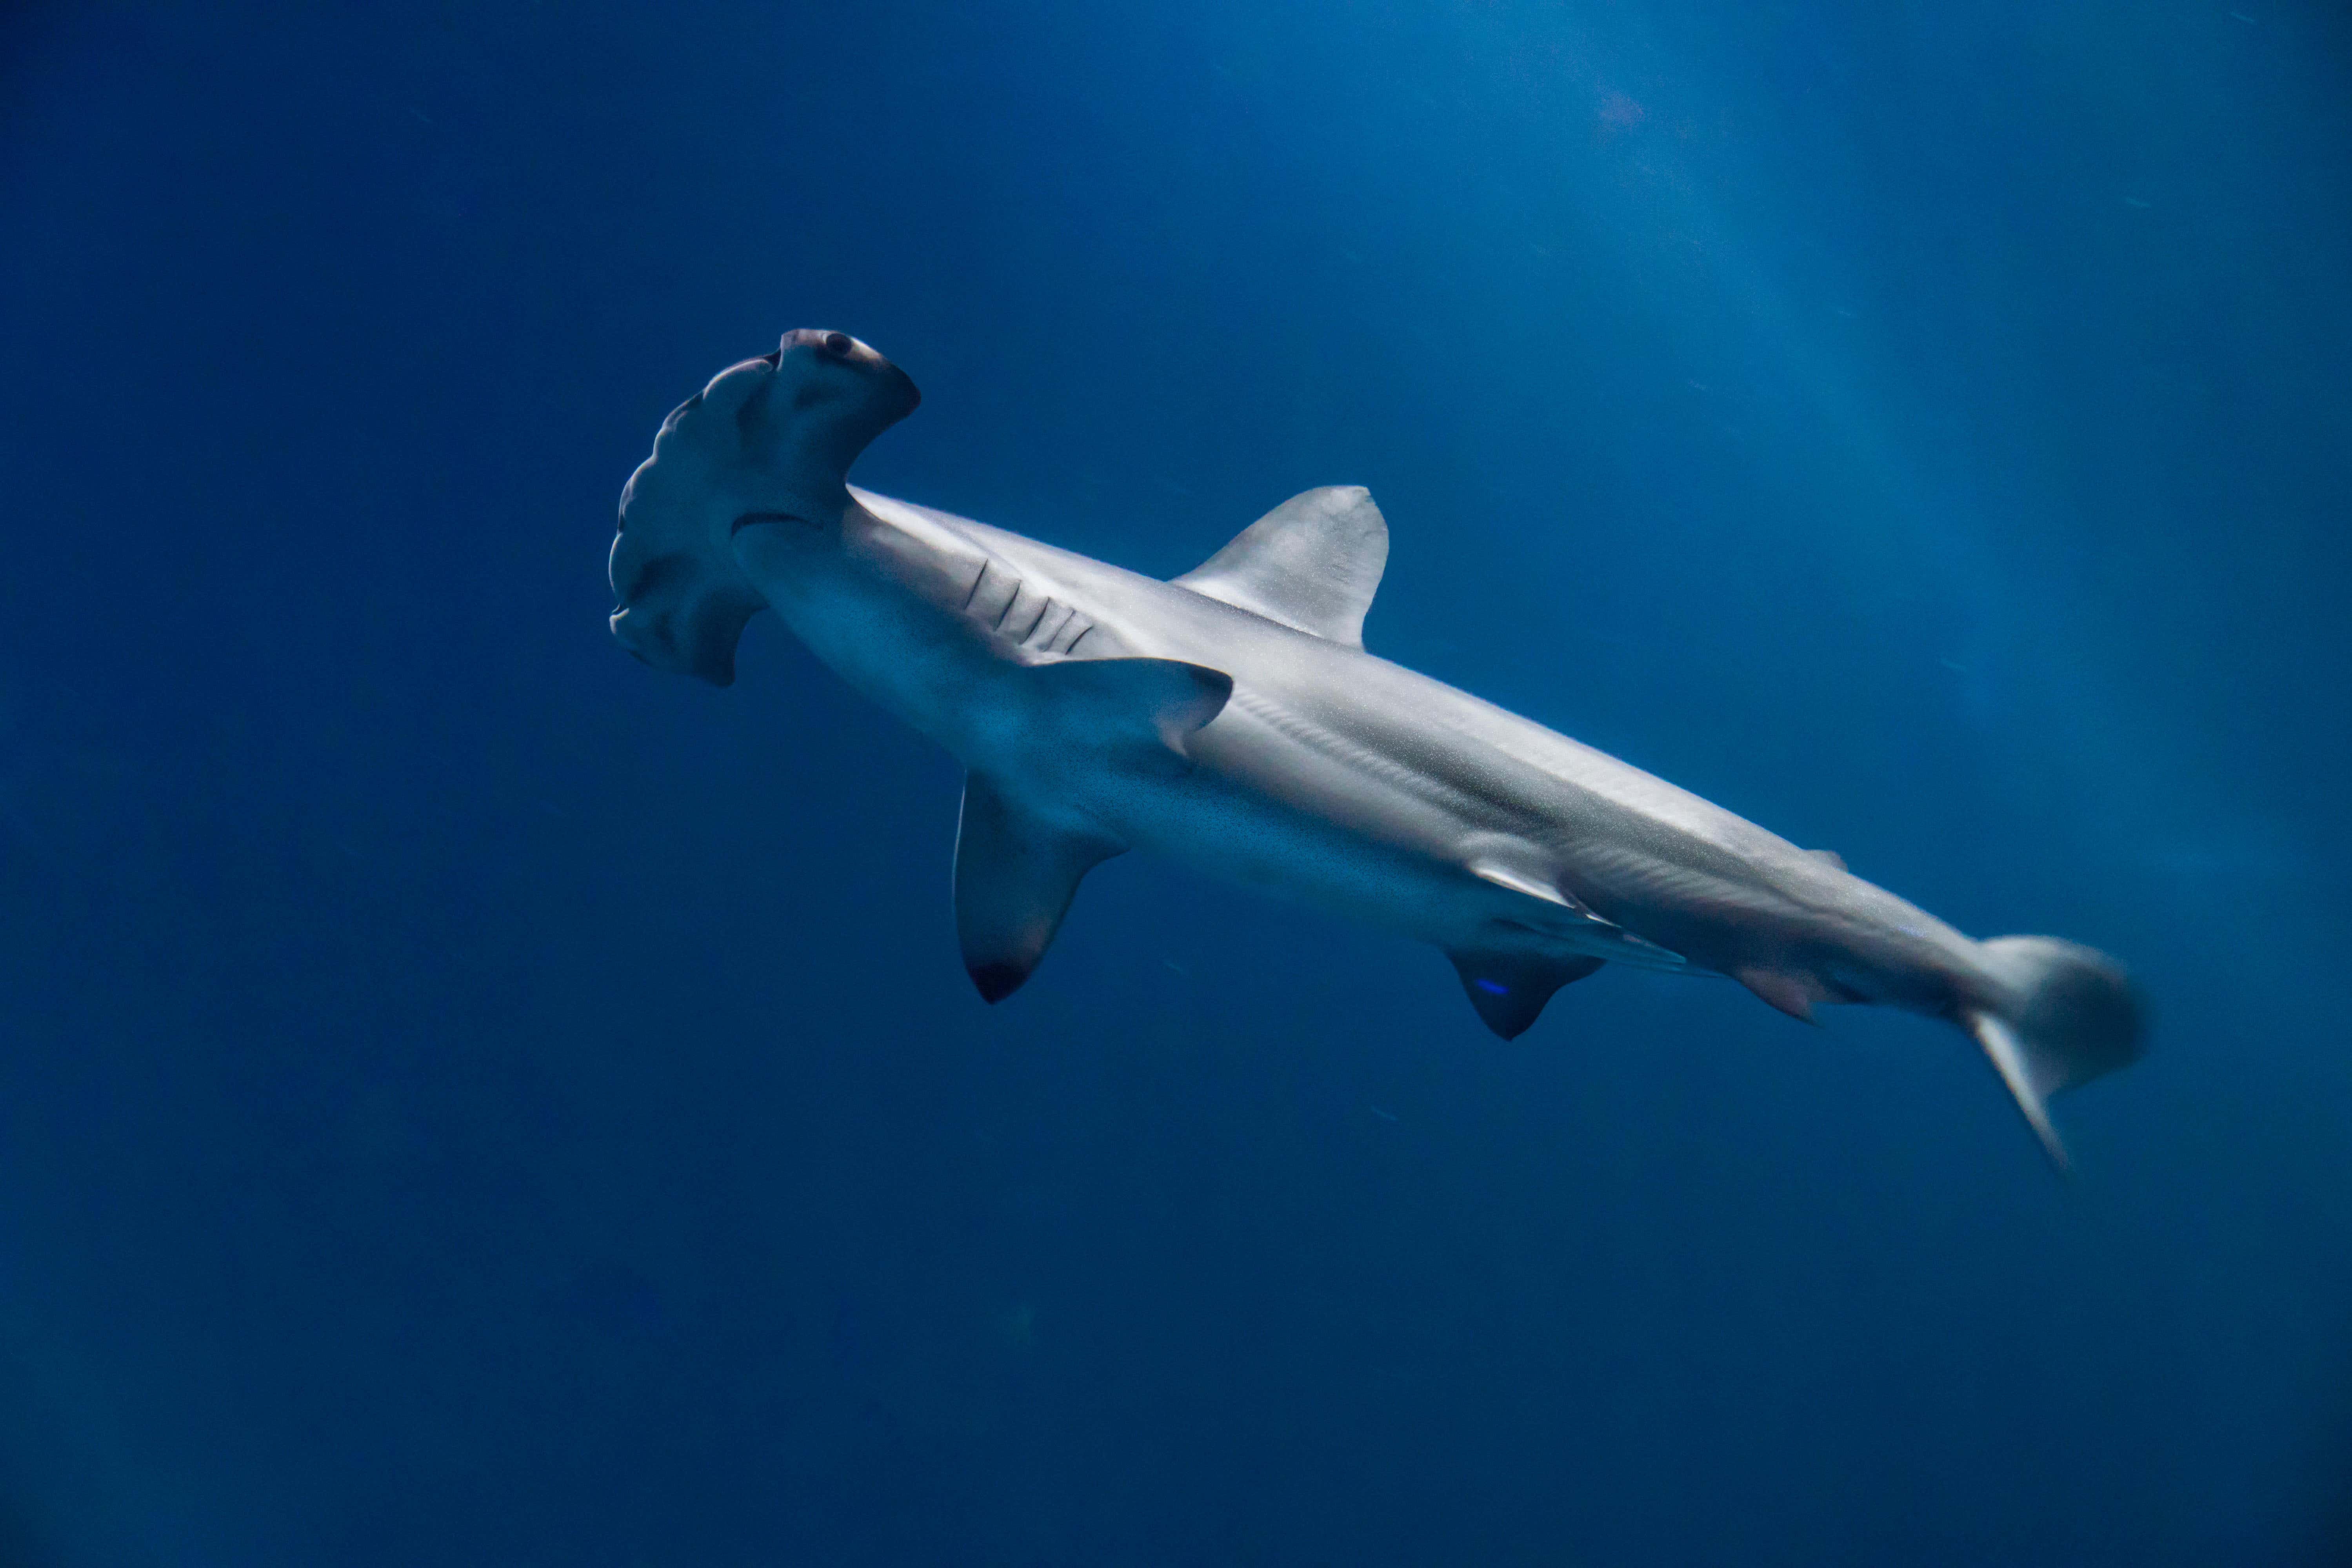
1231, 719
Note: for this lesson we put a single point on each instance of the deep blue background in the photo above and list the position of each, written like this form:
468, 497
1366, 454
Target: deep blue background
467, 1099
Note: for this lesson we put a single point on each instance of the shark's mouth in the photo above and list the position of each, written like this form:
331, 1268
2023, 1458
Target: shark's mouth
750, 517
673, 616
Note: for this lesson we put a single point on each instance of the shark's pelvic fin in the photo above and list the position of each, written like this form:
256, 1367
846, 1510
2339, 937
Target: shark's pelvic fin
1015, 874
1604, 940
1313, 563
1509, 989
1491, 868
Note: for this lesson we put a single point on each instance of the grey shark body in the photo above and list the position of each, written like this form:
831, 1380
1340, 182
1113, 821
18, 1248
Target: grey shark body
1231, 719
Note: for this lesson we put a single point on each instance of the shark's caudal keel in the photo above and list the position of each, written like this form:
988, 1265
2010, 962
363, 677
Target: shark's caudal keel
1233, 720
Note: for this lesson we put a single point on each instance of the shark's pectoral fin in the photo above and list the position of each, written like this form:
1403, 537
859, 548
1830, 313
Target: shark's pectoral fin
1313, 563
1018, 865
1509, 989
1015, 874
1129, 712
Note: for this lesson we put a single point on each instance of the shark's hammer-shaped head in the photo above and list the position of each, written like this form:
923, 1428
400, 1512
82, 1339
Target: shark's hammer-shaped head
769, 439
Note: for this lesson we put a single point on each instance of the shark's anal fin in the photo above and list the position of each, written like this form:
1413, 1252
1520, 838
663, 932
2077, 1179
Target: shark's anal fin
1509, 989
1015, 874
1793, 992
1312, 563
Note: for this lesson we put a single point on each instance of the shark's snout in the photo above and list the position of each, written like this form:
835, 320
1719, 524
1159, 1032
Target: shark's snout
769, 440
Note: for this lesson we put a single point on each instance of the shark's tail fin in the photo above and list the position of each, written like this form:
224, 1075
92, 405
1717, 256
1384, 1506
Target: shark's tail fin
2060, 1014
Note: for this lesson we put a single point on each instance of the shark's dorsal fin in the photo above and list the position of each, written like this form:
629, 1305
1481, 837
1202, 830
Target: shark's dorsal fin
1313, 563
1015, 874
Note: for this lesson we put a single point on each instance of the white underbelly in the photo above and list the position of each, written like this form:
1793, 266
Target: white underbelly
1224, 826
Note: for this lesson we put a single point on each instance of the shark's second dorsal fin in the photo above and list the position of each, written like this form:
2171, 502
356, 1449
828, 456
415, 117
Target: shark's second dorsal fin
1313, 563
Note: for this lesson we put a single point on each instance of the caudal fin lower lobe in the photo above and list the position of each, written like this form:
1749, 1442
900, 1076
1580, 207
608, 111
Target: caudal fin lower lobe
2065, 1015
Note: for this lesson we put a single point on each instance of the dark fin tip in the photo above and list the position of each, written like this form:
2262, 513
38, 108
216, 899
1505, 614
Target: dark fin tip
1507, 1031
997, 981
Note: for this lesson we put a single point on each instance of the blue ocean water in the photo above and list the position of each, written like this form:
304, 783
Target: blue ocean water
466, 1098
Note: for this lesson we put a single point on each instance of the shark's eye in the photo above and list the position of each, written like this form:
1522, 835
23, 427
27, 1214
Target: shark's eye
838, 344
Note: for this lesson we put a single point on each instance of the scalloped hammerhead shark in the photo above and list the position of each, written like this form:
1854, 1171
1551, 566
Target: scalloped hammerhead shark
1231, 718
